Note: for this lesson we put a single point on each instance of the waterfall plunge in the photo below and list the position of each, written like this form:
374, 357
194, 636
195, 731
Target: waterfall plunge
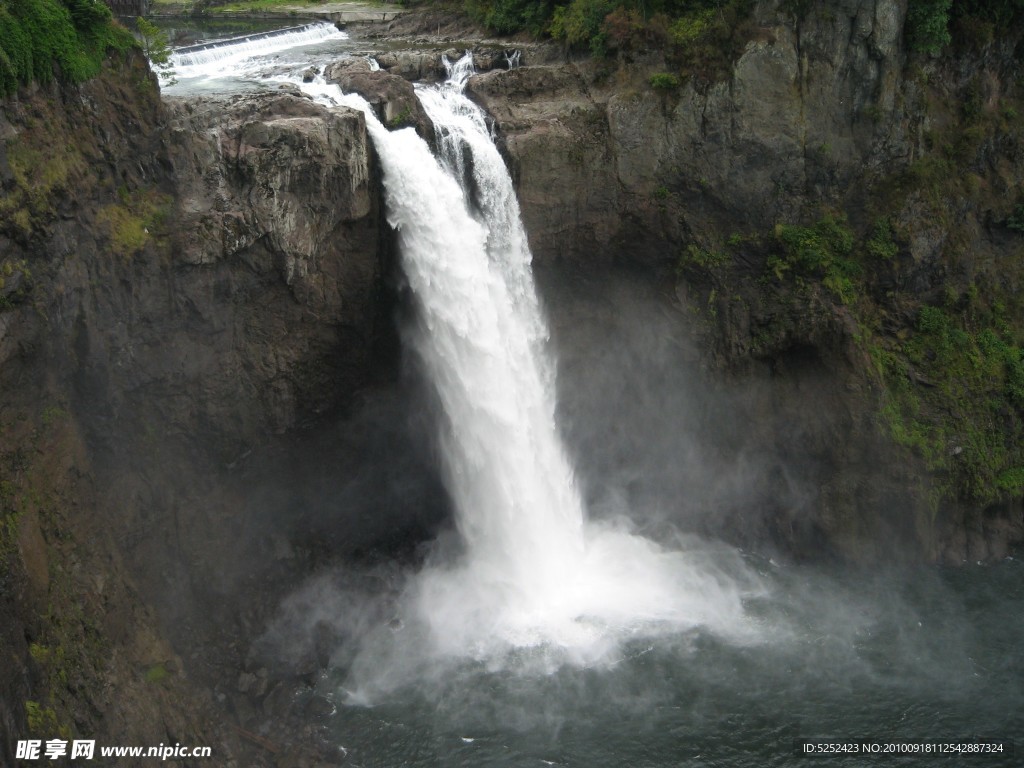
533, 572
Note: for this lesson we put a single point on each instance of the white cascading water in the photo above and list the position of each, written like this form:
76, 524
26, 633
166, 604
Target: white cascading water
213, 59
533, 571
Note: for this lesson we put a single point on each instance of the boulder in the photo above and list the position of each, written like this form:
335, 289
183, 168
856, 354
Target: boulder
392, 97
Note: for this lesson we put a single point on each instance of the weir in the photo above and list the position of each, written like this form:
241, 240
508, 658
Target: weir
253, 45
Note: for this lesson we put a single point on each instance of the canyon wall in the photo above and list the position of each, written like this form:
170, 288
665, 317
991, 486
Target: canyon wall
816, 205
182, 283
197, 294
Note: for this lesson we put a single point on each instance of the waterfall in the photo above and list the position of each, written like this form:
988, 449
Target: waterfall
532, 571
519, 508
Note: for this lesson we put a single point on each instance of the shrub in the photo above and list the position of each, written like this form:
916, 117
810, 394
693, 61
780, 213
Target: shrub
927, 25
88, 15
821, 250
582, 22
1000, 13
663, 81
700, 26
39, 37
880, 244
692, 27
624, 29
1015, 220
507, 16
696, 256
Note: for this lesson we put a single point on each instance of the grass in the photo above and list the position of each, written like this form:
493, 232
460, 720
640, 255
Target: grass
69, 652
664, 81
41, 169
135, 221
954, 395
156, 674
42, 721
258, 6
952, 383
702, 258
41, 39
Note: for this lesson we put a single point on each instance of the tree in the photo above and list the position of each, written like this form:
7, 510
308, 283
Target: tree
157, 48
928, 25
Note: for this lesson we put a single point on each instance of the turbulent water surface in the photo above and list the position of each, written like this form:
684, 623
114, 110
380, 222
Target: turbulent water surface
536, 634
905, 656
257, 59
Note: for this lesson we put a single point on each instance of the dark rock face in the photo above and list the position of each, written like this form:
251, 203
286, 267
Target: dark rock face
280, 234
820, 115
181, 286
591, 147
184, 283
412, 65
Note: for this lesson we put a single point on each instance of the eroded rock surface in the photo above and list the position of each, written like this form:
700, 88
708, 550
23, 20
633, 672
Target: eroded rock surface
823, 114
391, 96
808, 110
185, 285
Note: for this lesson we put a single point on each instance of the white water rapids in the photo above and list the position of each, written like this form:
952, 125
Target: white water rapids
246, 55
532, 571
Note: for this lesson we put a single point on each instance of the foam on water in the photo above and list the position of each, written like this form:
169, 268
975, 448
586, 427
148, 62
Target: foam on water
241, 55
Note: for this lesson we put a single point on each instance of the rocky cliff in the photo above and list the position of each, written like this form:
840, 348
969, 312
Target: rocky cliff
837, 213
191, 291
182, 283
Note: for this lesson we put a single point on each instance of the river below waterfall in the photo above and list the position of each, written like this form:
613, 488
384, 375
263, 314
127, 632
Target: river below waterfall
555, 624
899, 657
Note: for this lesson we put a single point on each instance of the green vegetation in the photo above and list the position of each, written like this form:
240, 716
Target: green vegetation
823, 250
952, 383
663, 81
702, 258
1015, 220
52, 414
691, 29
157, 48
156, 674
581, 22
15, 282
1011, 480
403, 119
880, 244
40, 169
42, 721
955, 395
41, 39
974, 22
254, 6
927, 25
277, 7
998, 12
135, 221
9, 517
68, 653
949, 359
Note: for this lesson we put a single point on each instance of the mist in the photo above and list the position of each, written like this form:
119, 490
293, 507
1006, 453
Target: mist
899, 650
